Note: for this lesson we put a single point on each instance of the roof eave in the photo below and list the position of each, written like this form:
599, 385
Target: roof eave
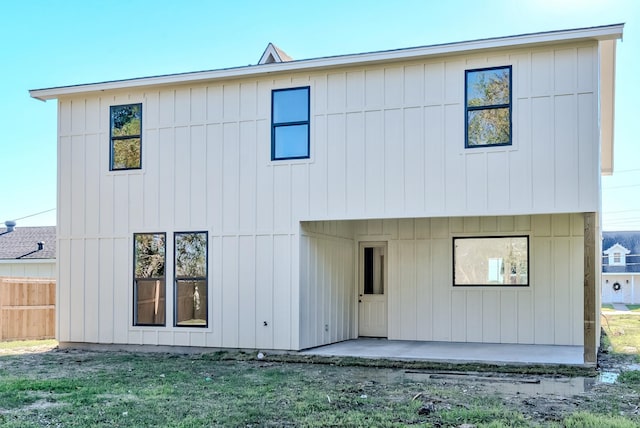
609, 32
607, 85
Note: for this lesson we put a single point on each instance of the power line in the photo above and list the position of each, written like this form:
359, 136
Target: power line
622, 211
627, 170
33, 215
622, 186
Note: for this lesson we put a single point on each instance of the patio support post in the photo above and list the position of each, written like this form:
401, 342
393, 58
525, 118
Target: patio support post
591, 249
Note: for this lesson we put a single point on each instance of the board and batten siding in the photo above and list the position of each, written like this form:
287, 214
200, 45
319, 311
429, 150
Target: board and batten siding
328, 266
422, 303
387, 141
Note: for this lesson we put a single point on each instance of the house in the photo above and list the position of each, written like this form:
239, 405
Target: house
27, 251
443, 193
621, 267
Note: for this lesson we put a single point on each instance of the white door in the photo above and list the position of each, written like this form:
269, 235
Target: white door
372, 298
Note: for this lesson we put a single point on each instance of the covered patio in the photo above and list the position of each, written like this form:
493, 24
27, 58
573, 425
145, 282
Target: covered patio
452, 352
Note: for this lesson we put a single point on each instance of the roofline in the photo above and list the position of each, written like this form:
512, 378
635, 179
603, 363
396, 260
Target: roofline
605, 32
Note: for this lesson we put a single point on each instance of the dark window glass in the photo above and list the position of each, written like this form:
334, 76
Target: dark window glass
191, 279
290, 123
149, 279
125, 130
488, 107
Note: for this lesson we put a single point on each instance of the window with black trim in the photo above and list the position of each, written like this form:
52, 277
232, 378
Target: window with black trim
290, 123
149, 279
190, 279
126, 137
488, 107
491, 261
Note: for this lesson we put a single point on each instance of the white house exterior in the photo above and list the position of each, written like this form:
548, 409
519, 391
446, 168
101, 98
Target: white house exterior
341, 220
621, 267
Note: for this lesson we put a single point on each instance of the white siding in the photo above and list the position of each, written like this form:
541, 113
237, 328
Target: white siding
386, 143
28, 269
629, 291
327, 285
423, 304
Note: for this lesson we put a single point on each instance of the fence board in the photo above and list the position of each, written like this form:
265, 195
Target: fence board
27, 308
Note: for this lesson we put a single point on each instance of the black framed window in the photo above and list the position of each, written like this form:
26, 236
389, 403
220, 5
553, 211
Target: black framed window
190, 256
488, 107
491, 261
149, 279
126, 137
290, 123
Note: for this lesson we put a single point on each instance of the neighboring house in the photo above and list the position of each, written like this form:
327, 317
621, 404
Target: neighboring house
441, 193
28, 251
621, 267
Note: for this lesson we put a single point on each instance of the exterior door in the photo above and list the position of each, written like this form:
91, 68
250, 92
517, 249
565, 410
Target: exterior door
372, 297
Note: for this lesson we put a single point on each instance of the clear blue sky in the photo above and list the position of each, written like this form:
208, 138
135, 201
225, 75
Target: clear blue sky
51, 43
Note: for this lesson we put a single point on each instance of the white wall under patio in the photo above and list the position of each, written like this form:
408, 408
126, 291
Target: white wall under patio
327, 283
422, 303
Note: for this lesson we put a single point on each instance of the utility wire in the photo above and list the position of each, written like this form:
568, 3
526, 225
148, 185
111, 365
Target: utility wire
32, 215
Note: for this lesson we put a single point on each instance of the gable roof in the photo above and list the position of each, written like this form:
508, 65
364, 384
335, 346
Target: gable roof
617, 248
273, 54
22, 243
629, 240
601, 33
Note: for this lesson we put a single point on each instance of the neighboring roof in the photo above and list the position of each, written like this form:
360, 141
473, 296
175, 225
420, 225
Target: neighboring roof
629, 240
617, 248
273, 54
607, 32
22, 243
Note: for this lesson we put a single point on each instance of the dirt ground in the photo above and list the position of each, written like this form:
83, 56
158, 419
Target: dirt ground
540, 398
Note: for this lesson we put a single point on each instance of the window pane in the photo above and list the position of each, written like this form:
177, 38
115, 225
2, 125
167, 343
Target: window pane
150, 301
149, 255
191, 304
126, 153
191, 255
491, 261
291, 141
488, 127
125, 120
373, 270
488, 87
291, 105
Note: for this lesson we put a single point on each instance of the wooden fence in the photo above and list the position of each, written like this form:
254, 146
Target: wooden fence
27, 308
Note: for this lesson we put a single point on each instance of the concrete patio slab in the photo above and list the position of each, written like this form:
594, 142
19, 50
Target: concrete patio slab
453, 351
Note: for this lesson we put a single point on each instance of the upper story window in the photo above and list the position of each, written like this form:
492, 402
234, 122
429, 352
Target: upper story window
290, 123
125, 134
488, 107
617, 258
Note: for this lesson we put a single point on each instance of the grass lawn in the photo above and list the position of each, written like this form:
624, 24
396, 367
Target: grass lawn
73, 388
623, 332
